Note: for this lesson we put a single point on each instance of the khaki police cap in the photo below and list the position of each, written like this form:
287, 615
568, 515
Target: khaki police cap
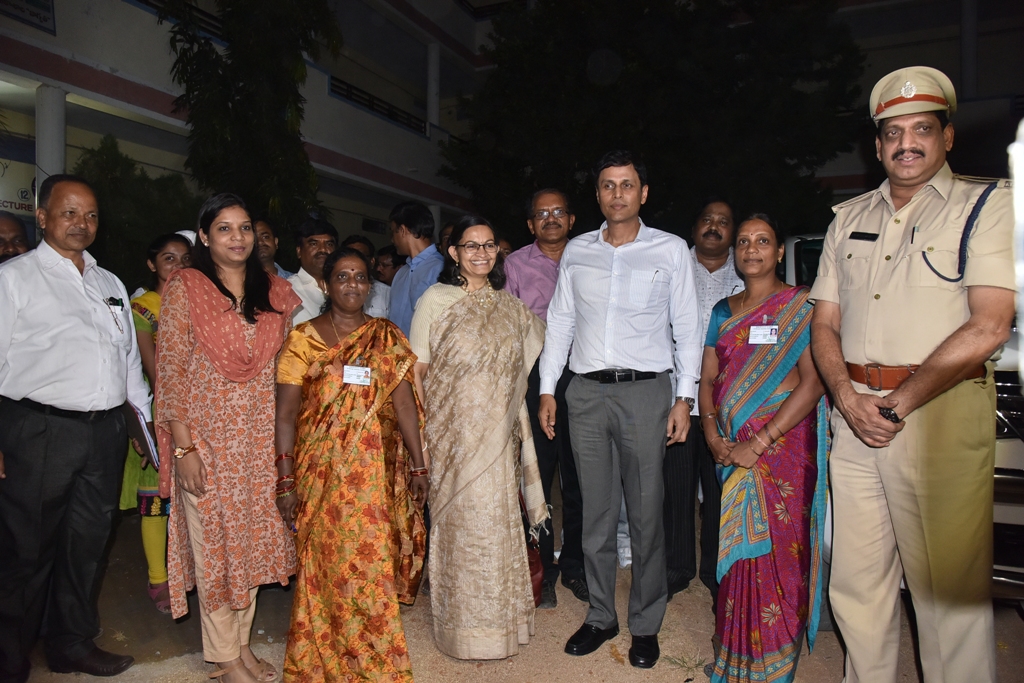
912, 90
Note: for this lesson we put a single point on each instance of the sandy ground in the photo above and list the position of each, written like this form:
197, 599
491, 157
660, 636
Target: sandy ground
170, 652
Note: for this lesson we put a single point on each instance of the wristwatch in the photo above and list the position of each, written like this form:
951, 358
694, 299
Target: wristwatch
180, 453
889, 414
689, 401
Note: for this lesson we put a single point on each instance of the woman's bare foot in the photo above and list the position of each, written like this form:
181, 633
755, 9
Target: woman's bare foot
233, 671
262, 671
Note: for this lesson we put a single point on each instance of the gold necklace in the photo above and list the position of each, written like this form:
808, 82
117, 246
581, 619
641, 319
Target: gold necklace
330, 316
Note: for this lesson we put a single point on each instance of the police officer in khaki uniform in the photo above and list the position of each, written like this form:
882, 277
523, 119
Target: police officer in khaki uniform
905, 324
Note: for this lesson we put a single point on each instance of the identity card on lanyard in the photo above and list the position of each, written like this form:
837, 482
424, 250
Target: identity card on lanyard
764, 334
357, 374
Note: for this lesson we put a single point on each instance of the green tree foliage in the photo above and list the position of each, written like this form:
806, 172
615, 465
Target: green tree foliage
739, 98
243, 102
134, 209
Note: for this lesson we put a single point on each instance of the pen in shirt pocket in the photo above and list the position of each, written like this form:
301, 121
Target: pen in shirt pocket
655, 276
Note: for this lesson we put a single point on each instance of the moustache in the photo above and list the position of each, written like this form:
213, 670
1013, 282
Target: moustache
913, 150
711, 233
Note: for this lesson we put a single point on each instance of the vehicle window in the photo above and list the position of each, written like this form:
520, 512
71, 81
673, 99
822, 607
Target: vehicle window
808, 253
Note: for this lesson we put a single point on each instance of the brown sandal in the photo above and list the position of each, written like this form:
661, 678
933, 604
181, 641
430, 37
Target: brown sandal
264, 671
220, 672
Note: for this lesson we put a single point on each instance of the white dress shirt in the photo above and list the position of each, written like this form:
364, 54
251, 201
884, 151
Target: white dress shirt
628, 307
712, 287
312, 296
67, 339
376, 304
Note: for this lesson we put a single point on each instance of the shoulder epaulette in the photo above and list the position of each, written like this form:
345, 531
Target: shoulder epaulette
850, 202
1001, 182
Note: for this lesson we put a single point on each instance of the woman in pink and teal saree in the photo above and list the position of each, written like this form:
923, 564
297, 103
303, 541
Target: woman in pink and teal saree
762, 405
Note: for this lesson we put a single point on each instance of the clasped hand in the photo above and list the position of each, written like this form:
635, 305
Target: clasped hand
738, 453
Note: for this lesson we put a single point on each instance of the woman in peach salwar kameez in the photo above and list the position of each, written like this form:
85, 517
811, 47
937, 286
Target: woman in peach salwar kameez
222, 323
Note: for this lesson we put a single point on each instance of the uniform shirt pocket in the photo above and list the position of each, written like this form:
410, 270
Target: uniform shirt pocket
854, 263
935, 263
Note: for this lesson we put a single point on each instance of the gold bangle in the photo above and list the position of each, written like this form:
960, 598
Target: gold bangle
776, 425
711, 414
180, 453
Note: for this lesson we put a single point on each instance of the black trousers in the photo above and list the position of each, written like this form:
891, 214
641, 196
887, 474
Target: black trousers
556, 454
56, 512
685, 465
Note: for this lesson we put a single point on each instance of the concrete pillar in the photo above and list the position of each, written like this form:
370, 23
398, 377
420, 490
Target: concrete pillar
434, 84
436, 210
968, 49
51, 133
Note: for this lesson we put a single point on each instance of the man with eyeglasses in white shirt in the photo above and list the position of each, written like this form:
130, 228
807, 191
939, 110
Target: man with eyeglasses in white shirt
625, 303
68, 360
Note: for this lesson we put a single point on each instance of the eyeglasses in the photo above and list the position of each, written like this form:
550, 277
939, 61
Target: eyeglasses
544, 213
473, 247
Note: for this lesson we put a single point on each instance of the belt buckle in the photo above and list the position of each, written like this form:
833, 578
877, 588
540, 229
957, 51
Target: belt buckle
868, 367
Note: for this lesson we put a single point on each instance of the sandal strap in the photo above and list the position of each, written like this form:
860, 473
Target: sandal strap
262, 670
220, 672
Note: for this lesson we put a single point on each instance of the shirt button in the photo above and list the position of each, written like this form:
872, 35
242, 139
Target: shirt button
931, 248
896, 220
888, 258
878, 296
849, 256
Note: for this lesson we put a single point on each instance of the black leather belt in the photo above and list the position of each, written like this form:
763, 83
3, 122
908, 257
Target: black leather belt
90, 416
617, 376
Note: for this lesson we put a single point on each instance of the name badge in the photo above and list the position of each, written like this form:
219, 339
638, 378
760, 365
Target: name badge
764, 334
357, 374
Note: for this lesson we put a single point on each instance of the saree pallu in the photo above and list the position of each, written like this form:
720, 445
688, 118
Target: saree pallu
361, 539
769, 562
482, 349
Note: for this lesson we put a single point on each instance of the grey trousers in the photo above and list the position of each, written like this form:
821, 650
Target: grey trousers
618, 441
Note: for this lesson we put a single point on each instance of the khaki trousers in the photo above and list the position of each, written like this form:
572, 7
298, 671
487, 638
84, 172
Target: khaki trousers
920, 509
225, 631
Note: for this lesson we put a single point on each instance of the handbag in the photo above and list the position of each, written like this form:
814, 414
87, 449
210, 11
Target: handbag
532, 555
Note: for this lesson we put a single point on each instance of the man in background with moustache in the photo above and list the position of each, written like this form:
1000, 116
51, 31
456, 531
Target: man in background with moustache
714, 273
316, 239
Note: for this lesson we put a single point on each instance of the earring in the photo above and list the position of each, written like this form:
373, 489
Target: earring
780, 260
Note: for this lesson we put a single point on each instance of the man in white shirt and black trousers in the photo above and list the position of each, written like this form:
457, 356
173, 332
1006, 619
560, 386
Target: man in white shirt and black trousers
68, 361
625, 303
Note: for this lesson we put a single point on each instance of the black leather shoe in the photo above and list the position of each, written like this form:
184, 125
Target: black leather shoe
588, 638
21, 677
96, 663
644, 652
578, 588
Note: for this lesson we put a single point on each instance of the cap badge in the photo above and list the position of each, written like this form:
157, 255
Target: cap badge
908, 90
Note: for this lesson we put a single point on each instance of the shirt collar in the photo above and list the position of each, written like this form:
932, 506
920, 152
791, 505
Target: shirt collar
941, 182
49, 257
534, 253
428, 253
305, 278
645, 234
728, 266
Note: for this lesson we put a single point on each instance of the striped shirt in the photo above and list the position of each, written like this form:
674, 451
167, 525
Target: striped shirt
630, 307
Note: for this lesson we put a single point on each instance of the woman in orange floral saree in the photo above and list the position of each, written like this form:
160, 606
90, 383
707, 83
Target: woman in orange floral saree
345, 402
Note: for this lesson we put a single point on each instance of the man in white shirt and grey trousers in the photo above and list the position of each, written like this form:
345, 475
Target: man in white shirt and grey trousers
625, 303
68, 361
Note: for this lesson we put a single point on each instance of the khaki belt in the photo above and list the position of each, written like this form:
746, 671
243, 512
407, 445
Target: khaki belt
888, 377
